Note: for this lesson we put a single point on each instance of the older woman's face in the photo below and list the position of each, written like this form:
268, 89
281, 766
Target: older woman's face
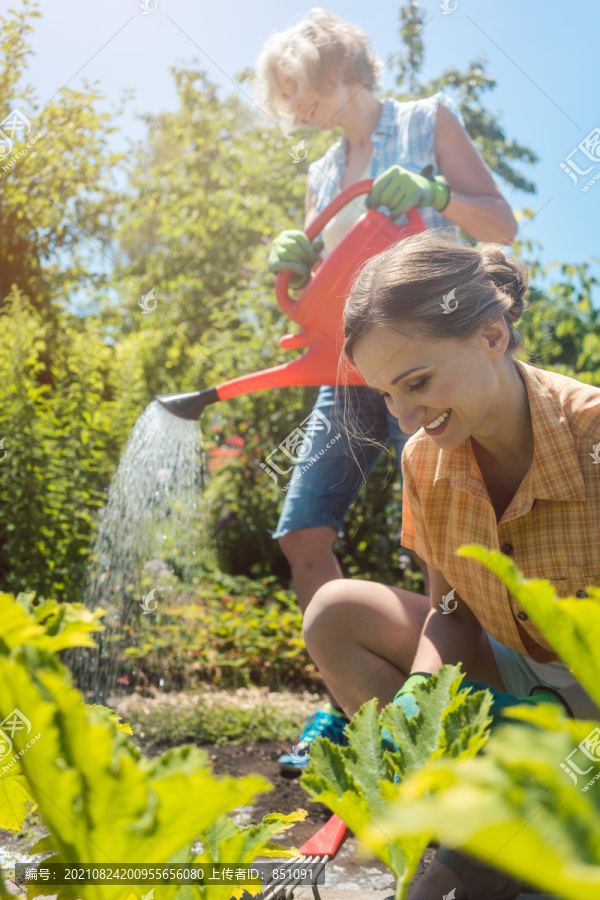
447, 387
319, 108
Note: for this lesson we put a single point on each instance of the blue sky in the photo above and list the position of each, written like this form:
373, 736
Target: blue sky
542, 52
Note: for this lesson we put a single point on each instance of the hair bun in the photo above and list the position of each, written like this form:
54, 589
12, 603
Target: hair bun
508, 274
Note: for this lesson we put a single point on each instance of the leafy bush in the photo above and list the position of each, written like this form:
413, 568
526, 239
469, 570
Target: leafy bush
230, 631
356, 782
60, 420
106, 801
206, 723
562, 325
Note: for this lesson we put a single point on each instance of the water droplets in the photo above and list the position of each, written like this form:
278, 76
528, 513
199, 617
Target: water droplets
153, 515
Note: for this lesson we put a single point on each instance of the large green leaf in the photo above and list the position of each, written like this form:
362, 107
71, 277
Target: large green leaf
100, 800
55, 627
15, 795
512, 807
356, 781
17, 627
224, 841
449, 722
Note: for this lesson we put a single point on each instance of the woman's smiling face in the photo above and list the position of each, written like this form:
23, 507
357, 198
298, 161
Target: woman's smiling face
309, 104
448, 387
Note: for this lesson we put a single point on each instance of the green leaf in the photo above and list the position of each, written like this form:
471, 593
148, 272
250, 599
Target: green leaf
356, 781
364, 737
99, 799
15, 794
111, 716
17, 627
513, 806
224, 841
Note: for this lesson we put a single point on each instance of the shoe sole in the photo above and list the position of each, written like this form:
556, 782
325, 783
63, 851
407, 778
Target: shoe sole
289, 768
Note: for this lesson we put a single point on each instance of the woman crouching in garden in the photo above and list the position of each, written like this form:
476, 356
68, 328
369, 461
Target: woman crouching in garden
500, 455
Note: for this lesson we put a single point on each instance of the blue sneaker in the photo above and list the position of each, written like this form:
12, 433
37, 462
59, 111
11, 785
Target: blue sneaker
326, 722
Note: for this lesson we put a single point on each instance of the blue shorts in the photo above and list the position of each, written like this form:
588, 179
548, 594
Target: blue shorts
324, 485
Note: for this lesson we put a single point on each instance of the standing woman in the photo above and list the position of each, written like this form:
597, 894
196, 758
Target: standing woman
321, 73
500, 455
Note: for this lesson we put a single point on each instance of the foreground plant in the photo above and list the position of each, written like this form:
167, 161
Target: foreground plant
529, 804
357, 781
101, 801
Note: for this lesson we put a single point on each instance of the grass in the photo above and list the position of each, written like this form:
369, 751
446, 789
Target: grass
245, 715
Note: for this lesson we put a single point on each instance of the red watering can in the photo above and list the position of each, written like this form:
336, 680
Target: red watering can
319, 310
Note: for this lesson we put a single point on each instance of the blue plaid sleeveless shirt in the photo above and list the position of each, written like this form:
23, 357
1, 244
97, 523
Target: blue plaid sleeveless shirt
404, 136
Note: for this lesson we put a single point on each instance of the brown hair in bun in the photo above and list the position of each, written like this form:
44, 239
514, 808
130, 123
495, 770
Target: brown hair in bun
509, 275
409, 282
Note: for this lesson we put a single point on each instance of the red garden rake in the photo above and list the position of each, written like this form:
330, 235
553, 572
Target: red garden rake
320, 848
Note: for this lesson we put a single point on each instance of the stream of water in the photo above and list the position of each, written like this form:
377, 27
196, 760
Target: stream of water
150, 529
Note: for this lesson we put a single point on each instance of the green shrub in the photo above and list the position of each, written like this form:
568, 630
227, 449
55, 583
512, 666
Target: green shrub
230, 631
62, 421
100, 800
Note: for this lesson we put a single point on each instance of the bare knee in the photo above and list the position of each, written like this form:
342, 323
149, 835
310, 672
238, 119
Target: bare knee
307, 544
323, 612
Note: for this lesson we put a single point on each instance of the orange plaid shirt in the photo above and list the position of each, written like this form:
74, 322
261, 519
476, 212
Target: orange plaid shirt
551, 529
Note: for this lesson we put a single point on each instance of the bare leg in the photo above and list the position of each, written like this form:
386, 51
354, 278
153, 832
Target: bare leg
439, 880
309, 552
363, 637
436, 882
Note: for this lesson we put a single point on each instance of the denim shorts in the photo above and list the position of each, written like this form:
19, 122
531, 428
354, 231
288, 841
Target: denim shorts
323, 486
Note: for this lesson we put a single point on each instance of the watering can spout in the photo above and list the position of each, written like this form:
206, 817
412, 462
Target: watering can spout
188, 406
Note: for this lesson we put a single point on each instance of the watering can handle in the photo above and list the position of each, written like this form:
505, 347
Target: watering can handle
282, 282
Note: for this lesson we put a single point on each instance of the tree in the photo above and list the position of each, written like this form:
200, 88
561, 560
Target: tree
483, 126
561, 326
50, 159
208, 188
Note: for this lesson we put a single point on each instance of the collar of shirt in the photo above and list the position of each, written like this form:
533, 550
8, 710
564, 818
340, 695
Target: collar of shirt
385, 128
555, 472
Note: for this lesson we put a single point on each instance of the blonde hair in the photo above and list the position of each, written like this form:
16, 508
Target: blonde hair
307, 52
409, 282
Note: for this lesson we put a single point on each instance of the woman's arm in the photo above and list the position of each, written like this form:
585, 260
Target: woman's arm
454, 637
476, 204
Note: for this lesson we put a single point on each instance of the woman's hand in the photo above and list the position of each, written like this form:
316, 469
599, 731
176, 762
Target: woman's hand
406, 699
400, 190
292, 251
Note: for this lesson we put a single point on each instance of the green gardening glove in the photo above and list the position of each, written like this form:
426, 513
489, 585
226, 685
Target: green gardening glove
542, 694
502, 700
400, 190
406, 699
291, 251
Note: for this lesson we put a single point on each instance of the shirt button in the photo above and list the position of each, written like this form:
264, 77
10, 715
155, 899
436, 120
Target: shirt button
581, 594
522, 616
507, 549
